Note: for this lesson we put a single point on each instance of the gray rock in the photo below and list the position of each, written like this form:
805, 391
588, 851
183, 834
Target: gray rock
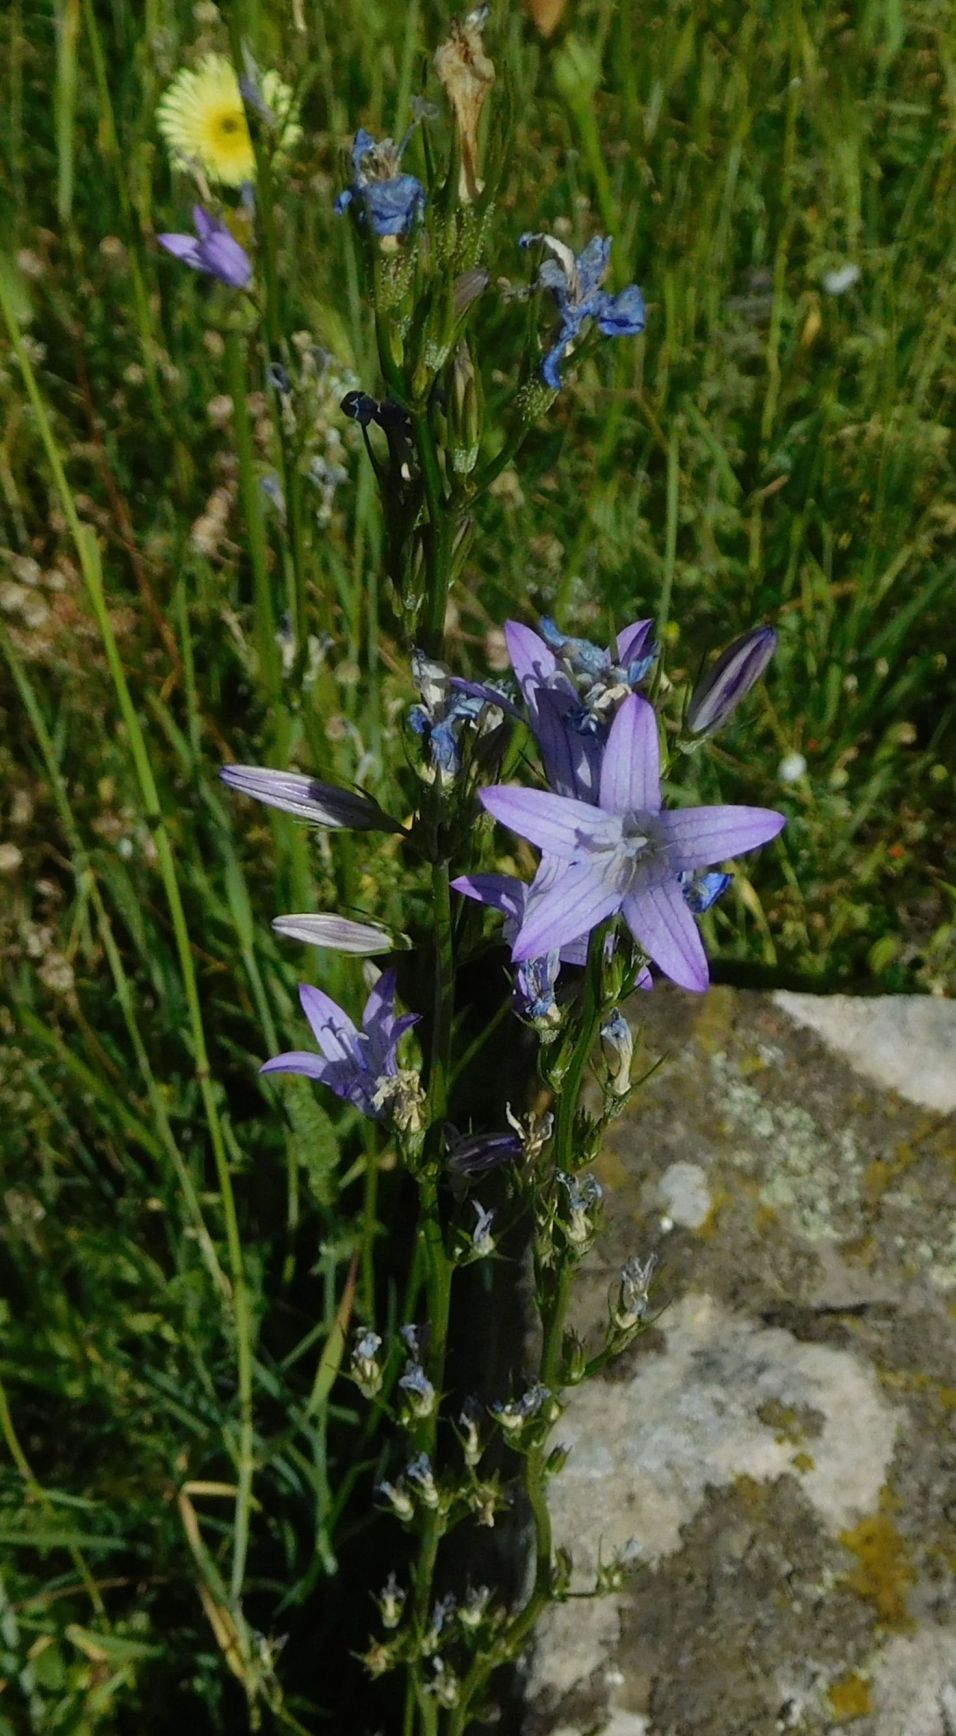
781, 1445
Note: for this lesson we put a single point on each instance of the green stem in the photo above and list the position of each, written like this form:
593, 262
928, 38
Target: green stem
439, 1269
553, 1291
267, 649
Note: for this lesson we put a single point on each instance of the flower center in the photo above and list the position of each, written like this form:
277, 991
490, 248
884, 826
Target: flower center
641, 852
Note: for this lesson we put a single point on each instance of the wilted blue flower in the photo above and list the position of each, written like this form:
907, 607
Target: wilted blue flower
623, 853
309, 799
365, 1368
414, 1339
391, 1602
449, 705
399, 1499
617, 1044
730, 679
471, 1443
418, 1390
213, 250
582, 1200
419, 1472
359, 1066
702, 890
513, 1415
575, 283
631, 1303
476, 1154
393, 202
482, 1239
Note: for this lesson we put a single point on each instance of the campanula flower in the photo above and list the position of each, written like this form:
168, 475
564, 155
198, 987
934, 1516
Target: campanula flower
535, 978
730, 679
571, 689
392, 202
309, 799
360, 1066
213, 250
624, 853
575, 283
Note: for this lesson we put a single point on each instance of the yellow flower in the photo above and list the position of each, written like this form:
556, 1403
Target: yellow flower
202, 119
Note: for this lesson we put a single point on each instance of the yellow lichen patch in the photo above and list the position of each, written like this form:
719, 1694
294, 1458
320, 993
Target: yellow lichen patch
720, 1198
849, 1698
883, 1571
611, 1169
803, 1462
791, 1426
713, 1018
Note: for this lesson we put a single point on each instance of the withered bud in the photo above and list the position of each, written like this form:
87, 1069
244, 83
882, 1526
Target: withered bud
546, 14
467, 74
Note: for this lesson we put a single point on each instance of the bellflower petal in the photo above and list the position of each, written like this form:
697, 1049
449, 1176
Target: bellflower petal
578, 901
631, 767
700, 837
302, 1061
571, 759
332, 1029
184, 247
564, 827
500, 891
309, 799
532, 661
662, 924
632, 641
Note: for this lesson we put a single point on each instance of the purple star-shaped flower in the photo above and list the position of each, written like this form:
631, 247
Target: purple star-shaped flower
213, 250
356, 1065
625, 853
575, 283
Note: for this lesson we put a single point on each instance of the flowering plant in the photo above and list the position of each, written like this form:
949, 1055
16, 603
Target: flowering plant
580, 750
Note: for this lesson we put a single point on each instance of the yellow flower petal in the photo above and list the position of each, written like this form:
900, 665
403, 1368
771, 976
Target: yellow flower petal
203, 122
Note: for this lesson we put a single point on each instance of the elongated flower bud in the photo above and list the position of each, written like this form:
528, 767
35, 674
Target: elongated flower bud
464, 412
735, 672
307, 798
338, 933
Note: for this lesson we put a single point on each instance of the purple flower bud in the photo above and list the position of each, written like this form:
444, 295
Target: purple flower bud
309, 799
337, 933
729, 681
212, 250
